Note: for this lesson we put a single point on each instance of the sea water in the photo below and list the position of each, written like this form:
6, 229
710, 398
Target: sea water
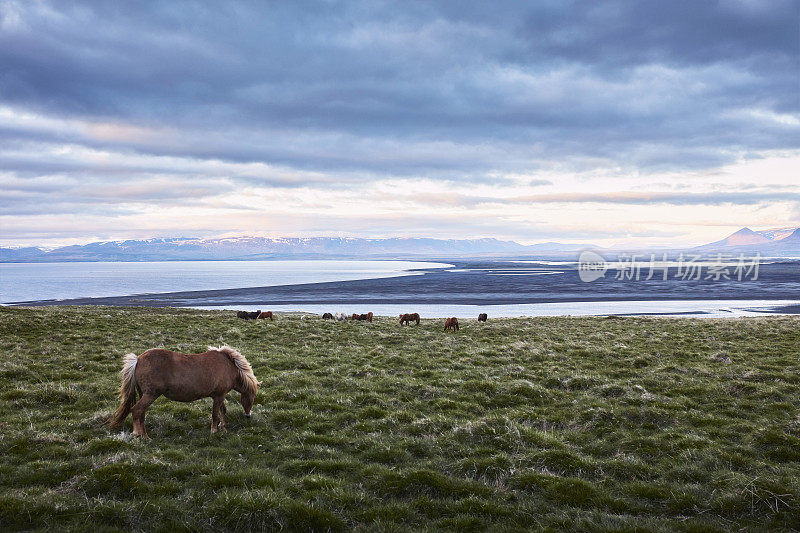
21, 282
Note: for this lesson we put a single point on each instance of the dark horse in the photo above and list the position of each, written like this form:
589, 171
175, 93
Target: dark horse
482, 317
327, 316
451, 324
247, 315
407, 318
184, 378
265, 314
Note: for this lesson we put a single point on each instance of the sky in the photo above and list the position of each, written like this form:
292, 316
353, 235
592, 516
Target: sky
602, 122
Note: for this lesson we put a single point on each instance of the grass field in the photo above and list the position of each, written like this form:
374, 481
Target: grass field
565, 423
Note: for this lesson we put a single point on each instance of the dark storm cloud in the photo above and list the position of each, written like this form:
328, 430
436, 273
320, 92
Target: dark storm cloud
363, 86
680, 31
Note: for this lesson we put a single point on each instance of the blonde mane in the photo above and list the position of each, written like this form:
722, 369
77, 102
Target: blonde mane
242, 365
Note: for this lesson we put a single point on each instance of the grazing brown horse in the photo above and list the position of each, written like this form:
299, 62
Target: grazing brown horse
184, 378
327, 316
482, 317
247, 315
451, 324
407, 318
364, 316
265, 314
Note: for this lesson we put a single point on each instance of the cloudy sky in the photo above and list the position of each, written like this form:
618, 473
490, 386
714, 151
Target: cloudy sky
607, 122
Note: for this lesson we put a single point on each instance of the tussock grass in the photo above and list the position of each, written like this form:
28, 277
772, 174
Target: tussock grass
566, 423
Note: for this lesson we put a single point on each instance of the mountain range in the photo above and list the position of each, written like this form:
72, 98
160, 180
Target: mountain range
783, 241
259, 248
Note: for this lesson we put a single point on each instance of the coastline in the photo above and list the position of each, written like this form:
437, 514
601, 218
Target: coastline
506, 288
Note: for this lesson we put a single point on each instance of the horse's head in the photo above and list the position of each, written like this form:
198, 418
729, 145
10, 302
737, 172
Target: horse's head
247, 397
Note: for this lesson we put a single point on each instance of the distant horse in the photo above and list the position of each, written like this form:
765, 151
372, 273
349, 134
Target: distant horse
327, 316
451, 324
184, 378
365, 316
247, 315
482, 317
406, 318
265, 314
340, 317
356, 316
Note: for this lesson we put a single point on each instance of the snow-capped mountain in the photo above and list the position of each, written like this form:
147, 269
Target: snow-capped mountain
253, 248
783, 241
777, 234
743, 237
771, 241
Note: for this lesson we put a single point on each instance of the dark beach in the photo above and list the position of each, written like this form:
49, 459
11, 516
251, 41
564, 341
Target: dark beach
485, 282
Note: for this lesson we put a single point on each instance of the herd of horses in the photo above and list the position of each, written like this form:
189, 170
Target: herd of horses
211, 374
254, 315
450, 324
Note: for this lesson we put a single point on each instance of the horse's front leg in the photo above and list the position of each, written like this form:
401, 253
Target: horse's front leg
223, 412
215, 412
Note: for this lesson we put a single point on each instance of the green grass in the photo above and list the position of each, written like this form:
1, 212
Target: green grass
518, 424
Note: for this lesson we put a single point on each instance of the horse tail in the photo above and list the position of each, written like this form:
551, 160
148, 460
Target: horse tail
127, 390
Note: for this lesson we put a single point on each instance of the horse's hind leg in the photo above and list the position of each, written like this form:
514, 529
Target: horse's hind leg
223, 412
137, 414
